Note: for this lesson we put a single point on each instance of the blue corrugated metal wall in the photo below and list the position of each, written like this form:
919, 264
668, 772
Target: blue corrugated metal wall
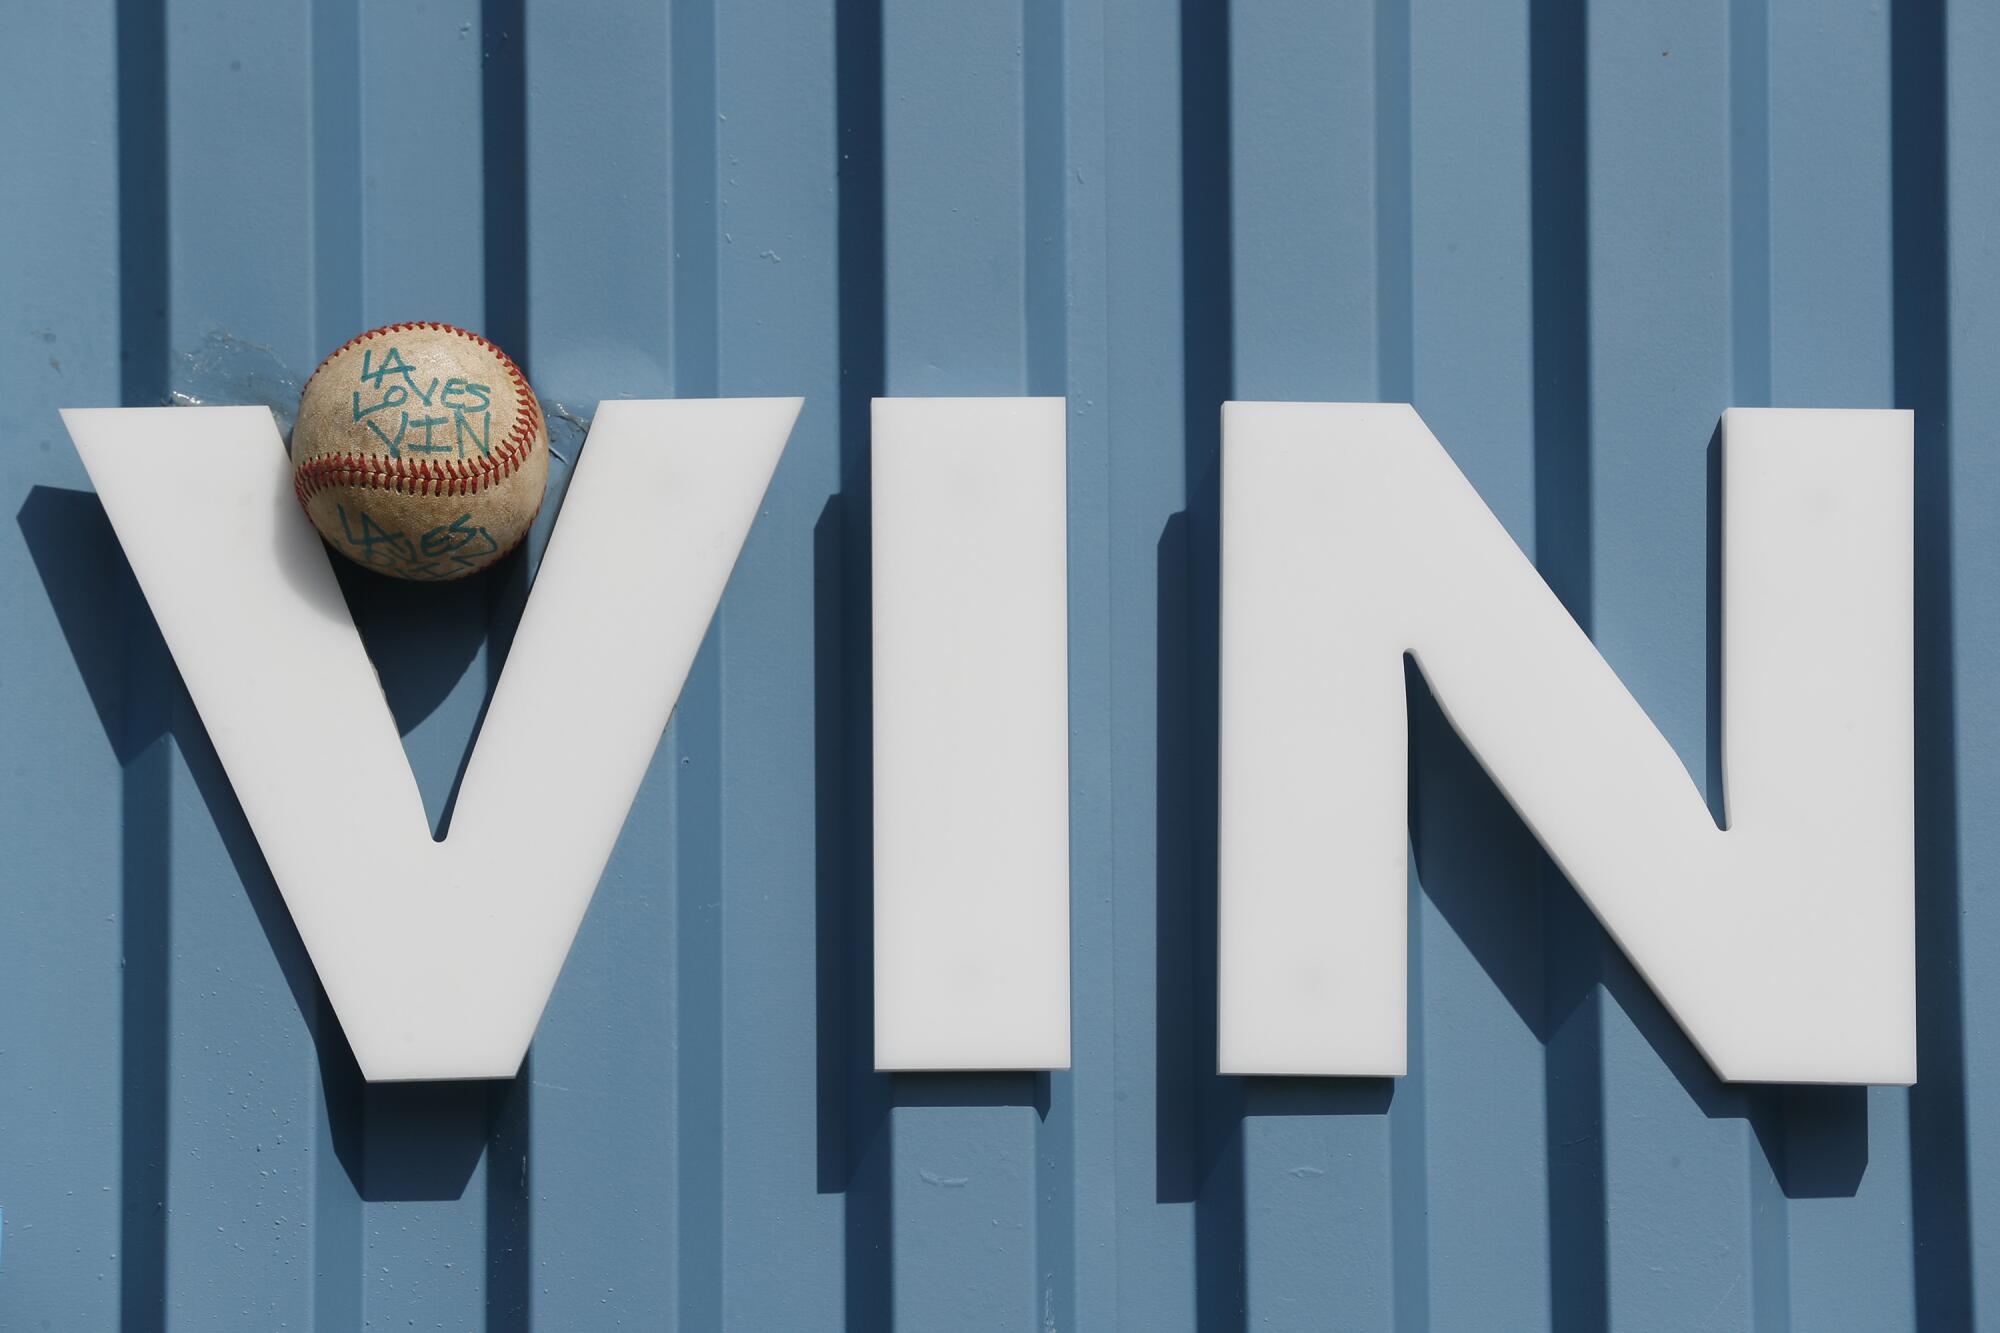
1570, 237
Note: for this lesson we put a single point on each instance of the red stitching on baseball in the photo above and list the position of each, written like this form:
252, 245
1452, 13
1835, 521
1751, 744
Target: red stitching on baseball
464, 477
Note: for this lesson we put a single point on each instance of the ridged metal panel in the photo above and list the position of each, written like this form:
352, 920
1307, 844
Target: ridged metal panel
1570, 237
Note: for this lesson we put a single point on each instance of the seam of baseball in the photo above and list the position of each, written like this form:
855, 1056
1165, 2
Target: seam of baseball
425, 477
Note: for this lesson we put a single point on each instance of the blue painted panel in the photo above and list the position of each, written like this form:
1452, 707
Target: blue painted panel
69, 1150
1571, 234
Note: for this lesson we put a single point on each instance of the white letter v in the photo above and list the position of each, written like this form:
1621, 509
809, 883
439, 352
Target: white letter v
438, 956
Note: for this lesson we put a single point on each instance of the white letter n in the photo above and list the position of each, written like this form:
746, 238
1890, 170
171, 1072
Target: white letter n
1783, 946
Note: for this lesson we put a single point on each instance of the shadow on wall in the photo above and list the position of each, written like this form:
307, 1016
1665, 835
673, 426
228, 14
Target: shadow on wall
395, 1141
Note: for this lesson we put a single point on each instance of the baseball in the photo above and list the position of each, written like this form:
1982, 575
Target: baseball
420, 451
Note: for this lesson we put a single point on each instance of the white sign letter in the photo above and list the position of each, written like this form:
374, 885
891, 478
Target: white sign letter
438, 956
971, 639
1783, 946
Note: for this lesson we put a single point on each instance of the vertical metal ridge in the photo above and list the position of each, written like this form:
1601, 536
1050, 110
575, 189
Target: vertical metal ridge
1089, 1094
336, 177
1750, 200
509, 1234
1955, 281
144, 259
334, 203
1395, 307
868, 1262
1920, 127
143, 238
1045, 192
504, 177
508, 1126
337, 1167
1573, 942
695, 750
504, 144
146, 923
1559, 128
1411, 1274
695, 190
1395, 381
1044, 197
1208, 347
1770, 1211
696, 737
1750, 325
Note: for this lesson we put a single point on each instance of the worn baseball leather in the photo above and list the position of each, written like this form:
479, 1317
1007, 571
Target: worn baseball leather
420, 451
